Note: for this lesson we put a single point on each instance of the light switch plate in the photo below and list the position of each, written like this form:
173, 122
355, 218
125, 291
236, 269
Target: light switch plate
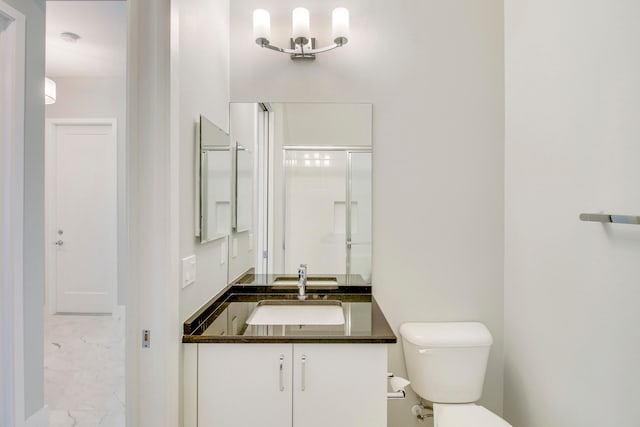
188, 270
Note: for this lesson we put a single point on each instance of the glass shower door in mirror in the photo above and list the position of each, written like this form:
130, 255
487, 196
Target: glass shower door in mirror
358, 239
327, 212
314, 211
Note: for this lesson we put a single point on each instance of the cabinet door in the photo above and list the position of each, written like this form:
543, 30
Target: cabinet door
339, 385
243, 385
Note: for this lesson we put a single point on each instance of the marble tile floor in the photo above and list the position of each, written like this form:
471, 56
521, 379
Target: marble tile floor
84, 370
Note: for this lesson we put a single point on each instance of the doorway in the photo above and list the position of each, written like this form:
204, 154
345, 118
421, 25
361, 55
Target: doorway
86, 213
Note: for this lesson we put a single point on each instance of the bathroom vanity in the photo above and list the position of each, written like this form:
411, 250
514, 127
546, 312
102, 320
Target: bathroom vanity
257, 355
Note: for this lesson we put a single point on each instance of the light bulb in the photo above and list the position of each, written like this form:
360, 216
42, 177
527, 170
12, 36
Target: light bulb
340, 25
300, 23
261, 26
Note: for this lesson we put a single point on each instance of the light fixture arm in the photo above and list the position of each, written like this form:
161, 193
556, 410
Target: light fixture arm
324, 49
298, 49
276, 48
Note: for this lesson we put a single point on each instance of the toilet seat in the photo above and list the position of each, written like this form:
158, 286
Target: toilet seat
465, 415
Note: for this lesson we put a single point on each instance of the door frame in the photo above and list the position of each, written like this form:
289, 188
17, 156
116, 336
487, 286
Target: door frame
152, 373
12, 226
50, 203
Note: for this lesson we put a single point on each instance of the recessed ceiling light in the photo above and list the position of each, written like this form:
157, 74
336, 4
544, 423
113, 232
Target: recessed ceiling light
69, 37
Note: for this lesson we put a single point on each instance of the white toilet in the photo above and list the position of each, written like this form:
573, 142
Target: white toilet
446, 364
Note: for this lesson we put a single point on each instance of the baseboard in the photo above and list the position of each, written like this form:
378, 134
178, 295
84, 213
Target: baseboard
39, 419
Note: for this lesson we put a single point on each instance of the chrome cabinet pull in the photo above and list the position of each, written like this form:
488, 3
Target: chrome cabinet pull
282, 372
304, 369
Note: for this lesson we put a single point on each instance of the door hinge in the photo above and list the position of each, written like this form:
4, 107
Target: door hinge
146, 338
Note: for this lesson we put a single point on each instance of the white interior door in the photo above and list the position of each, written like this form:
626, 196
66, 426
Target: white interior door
83, 228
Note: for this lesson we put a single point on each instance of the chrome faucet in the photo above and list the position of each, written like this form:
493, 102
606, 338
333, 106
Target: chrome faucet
302, 282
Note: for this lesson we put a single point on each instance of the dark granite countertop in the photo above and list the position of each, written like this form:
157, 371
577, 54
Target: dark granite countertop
223, 318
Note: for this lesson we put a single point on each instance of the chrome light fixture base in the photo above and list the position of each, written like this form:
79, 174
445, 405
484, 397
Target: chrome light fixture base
302, 53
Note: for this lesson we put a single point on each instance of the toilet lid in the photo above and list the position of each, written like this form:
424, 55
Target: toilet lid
467, 416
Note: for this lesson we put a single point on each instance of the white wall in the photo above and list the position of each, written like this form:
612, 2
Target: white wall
200, 52
33, 295
177, 69
200, 86
434, 74
572, 343
325, 124
100, 97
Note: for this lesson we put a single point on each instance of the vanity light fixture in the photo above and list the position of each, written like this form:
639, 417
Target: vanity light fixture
49, 91
303, 46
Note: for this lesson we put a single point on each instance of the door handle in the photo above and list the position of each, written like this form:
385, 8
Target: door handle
282, 372
59, 243
304, 370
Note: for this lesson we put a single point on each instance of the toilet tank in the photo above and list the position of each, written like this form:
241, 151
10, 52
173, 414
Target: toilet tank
446, 362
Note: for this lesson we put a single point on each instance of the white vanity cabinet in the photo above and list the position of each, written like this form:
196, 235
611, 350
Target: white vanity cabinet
339, 385
299, 385
243, 385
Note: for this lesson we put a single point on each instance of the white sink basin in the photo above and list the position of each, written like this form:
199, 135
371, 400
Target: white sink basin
297, 313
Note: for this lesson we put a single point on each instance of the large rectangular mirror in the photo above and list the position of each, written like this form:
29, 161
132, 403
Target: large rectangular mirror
213, 181
311, 189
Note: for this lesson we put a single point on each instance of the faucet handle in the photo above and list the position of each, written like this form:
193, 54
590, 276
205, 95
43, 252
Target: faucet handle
302, 272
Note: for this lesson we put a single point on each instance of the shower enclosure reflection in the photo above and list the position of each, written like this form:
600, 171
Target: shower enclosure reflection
327, 211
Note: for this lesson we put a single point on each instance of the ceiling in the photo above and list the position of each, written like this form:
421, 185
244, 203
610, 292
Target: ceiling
101, 49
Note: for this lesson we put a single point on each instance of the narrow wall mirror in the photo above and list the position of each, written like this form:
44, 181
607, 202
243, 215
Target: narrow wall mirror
312, 189
213, 181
